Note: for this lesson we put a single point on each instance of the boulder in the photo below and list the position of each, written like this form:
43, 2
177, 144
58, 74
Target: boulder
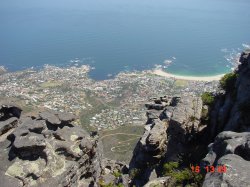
8, 110
154, 106
159, 182
37, 154
232, 150
236, 174
57, 118
7, 181
8, 124
228, 142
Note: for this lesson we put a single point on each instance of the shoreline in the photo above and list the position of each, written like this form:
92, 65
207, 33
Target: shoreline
156, 71
160, 72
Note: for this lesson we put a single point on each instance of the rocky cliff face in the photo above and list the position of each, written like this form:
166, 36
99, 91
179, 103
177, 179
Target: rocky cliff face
232, 150
175, 126
231, 112
173, 123
231, 109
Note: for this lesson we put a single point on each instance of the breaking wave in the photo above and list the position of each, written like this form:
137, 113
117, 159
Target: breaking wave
232, 55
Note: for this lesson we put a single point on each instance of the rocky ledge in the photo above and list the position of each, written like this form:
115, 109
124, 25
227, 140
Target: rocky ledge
47, 150
232, 150
172, 123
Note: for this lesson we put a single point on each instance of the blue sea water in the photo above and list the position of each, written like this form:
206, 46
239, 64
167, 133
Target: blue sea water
118, 35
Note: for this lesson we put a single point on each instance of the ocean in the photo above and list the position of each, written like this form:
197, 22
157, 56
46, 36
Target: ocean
185, 37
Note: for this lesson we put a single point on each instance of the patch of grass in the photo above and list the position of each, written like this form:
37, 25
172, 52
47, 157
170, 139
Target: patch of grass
122, 141
227, 82
110, 185
181, 177
181, 83
207, 98
50, 84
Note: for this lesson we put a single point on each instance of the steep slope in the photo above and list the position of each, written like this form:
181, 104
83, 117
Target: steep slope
232, 107
230, 123
171, 130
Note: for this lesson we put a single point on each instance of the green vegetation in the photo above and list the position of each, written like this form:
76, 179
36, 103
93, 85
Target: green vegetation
122, 141
134, 173
87, 114
205, 114
227, 82
207, 98
181, 177
181, 83
169, 167
50, 84
117, 174
192, 118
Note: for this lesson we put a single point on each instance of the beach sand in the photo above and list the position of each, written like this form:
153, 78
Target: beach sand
191, 78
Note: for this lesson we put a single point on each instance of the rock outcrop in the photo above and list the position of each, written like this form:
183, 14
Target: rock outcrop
230, 125
172, 123
231, 109
47, 150
232, 150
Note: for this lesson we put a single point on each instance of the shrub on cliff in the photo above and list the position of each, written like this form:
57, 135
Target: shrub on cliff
227, 82
134, 173
207, 98
117, 174
169, 167
182, 177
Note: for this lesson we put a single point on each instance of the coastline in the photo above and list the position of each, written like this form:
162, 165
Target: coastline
160, 72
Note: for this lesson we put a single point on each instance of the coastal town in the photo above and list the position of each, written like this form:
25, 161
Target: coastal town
99, 105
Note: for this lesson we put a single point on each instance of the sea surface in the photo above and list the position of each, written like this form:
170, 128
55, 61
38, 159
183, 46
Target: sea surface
185, 37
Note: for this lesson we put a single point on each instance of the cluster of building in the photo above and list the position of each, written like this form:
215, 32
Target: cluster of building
65, 89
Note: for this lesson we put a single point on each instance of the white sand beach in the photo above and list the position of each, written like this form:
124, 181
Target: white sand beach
191, 78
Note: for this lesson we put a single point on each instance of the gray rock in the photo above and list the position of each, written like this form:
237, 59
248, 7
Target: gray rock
159, 182
228, 142
10, 123
154, 106
50, 117
29, 145
34, 154
237, 173
8, 110
7, 181
228, 113
57, 118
